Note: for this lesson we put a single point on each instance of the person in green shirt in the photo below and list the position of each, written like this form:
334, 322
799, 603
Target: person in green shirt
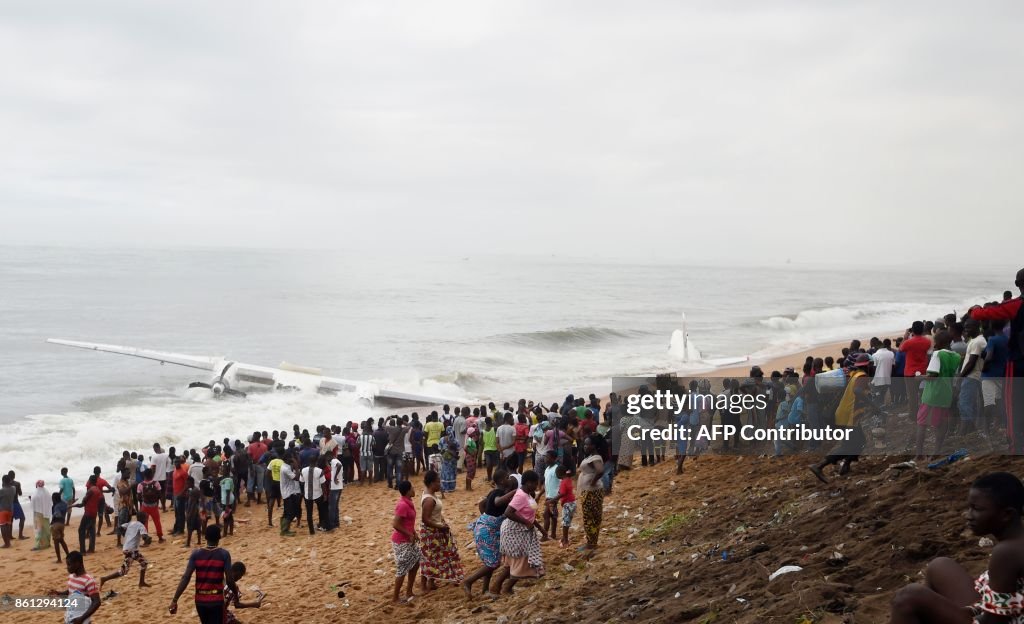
937, 396
490, 440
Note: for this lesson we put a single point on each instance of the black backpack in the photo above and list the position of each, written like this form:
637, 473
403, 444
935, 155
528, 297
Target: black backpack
150, 493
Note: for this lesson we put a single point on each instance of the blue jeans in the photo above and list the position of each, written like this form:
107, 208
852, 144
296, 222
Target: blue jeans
332, 509
970, 398
255, 481
394, 470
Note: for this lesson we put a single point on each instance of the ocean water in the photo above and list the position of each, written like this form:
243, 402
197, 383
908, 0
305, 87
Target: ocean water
476, 328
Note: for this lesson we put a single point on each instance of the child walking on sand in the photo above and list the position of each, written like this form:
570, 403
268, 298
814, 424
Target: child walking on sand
57, 518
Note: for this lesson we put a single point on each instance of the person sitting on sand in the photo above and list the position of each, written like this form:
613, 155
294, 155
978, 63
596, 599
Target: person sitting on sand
948, 595
83, 593
134, 532
233, 598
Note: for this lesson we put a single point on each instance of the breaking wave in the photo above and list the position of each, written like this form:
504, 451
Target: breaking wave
569, 336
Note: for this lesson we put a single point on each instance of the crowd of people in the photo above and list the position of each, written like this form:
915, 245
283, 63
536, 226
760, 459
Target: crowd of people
954, 376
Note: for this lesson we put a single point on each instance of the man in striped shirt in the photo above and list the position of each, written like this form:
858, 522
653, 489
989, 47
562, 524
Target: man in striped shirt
212, 567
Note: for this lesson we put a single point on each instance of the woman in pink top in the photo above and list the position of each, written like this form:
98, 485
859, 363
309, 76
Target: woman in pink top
404, 542
520, 549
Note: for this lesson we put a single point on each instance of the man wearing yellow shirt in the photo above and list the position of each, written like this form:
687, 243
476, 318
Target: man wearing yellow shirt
433, 430
274, 486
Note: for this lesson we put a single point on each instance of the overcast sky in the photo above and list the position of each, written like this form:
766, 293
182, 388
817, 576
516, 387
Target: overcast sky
687, 131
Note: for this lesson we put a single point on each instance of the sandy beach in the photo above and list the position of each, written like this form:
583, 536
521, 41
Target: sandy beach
302, 575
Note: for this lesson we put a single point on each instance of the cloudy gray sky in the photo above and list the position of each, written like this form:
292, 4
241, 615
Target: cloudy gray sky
705, 131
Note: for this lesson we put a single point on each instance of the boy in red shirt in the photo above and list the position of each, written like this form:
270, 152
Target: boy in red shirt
567, 497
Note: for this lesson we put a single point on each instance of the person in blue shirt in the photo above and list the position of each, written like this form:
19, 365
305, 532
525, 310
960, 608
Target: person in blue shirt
997, 353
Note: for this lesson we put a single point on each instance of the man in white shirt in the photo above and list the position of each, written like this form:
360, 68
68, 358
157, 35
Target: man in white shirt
312, 485
161, 465
337, 484
970, 375
290, 494
884, 359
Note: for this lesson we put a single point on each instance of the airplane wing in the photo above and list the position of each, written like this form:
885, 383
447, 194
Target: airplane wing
383, 395
191, 361
288, 376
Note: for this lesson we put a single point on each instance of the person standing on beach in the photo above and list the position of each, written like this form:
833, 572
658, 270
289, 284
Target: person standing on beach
506, 443
291, 494
396, 446
883, 359
160, 465
150, 493
937, 397
212, 567
67, 492
179, 486
42, 508
19, 513
590, 488
1011, 310
57, 518
997, 349
7, 497
916, 347
970, 402
337, 485
254, 484
365, 454
490, 444
440, 555
273, 482
312, 480
90, 507
404, 542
